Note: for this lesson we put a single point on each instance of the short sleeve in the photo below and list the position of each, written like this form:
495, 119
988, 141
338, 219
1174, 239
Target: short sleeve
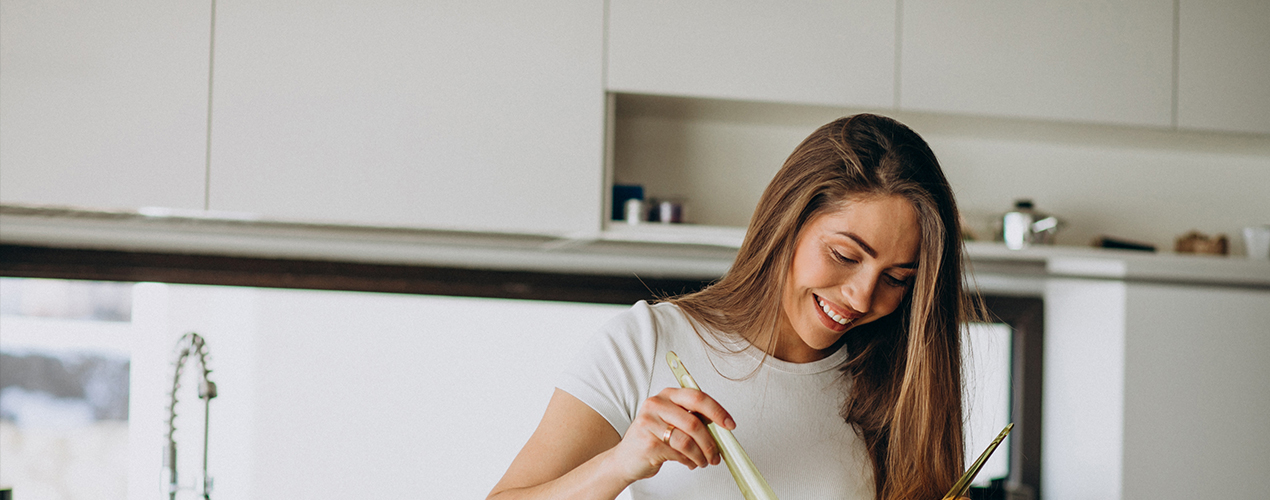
614, 371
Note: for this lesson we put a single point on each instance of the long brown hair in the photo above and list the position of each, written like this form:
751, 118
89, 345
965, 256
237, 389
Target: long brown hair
904, 373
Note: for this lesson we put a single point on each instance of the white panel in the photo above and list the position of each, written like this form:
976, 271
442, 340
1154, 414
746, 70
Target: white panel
1088, 60
382, 396
986, 355
1197, 392
227, 318
1083, 398
469, 115
353, 395
821, 52
1223, 80
104, 104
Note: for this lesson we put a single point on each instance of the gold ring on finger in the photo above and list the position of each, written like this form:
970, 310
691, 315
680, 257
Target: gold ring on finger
665, 436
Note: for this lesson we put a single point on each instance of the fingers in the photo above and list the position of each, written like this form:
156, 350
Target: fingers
677, 446
671, 426
684, 409
698, 402
673, 433
690, 437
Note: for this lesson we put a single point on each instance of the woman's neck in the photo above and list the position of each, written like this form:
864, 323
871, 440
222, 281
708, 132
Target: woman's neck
789, 347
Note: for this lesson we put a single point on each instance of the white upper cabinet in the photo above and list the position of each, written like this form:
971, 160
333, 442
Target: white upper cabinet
817, 52
1223, 80
471, 115
103, 105
1108, 61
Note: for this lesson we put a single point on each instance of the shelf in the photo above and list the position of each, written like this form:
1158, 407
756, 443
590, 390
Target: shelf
654, 250
1127, 265
683, 234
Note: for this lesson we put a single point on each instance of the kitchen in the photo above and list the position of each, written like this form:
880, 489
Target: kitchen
487, 136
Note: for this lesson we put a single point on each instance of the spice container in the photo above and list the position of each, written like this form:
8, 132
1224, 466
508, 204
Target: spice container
670, 211
1023, 227
634, 211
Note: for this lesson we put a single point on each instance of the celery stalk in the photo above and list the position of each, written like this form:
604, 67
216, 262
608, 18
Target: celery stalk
747, 476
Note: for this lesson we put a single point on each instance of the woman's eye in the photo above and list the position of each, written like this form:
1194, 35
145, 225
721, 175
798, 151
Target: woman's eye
840, 258
896, 282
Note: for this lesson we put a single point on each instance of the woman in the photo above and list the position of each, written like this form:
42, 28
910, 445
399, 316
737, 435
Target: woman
832, 342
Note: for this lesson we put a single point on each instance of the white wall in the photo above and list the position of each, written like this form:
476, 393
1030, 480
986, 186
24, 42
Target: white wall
357, 395
1145, 184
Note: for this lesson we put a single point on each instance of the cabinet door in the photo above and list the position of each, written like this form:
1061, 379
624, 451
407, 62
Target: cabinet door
818, 52
1087, 60
104, 104
1223, 74
1196, 364
474, 115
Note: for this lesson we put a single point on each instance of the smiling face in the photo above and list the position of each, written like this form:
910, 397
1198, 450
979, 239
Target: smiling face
852, 265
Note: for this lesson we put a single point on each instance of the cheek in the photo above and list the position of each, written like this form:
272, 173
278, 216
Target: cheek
889, 300
812, 273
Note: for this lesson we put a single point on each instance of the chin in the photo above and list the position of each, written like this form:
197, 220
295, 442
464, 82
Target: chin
823, 342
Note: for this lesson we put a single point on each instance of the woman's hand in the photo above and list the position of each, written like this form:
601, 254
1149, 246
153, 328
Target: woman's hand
575, 453
669, 427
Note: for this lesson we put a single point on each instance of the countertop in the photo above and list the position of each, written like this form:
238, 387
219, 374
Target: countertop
650, 250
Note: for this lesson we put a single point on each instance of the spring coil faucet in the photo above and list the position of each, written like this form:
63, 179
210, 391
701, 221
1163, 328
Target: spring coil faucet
190, 343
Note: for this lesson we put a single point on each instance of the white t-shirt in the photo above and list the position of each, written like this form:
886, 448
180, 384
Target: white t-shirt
786, 413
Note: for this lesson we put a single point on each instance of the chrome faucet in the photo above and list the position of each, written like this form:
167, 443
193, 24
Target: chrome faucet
190, 343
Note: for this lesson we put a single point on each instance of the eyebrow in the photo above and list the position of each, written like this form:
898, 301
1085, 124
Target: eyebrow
873, 253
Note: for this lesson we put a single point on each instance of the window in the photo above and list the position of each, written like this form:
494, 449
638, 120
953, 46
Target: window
64, 387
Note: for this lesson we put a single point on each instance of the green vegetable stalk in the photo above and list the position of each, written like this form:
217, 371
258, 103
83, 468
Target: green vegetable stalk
747, 476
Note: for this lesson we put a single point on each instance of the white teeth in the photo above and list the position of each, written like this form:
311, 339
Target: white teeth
828, 311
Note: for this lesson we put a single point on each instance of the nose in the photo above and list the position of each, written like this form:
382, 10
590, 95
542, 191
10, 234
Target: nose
858, 291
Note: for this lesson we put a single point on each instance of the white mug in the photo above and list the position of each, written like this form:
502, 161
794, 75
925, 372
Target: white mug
1257, 241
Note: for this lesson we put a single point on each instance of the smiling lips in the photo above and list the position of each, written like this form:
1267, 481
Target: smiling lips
833, 314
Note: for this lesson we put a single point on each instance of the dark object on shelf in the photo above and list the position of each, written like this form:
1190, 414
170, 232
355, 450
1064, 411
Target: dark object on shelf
1112, 242
664, 210
1197, 242
621, 193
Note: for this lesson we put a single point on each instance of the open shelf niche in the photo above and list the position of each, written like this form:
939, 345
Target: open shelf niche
714, 156
717, 156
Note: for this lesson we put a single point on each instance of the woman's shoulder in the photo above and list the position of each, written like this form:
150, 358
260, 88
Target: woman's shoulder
651, 318
613, 370
645, 329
